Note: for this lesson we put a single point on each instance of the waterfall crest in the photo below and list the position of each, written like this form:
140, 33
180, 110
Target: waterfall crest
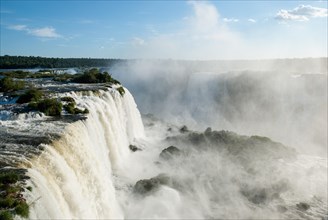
72, 178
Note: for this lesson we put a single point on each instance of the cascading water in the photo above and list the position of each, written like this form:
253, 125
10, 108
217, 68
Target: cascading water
72, 177
89, 171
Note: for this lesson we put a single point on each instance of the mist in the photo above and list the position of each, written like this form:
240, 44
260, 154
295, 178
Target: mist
283, 99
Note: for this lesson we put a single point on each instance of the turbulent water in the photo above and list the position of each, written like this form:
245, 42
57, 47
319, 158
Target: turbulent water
113, 164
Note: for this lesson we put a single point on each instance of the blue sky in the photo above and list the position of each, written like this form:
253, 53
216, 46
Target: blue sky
164, 29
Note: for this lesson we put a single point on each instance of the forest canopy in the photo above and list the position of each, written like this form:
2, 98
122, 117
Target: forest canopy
16, 62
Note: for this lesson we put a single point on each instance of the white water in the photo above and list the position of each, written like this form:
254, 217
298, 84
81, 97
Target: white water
73, 177
89, 173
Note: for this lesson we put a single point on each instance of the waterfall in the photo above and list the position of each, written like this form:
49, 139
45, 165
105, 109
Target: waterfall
73, 177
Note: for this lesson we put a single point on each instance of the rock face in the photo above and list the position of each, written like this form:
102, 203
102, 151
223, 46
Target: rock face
184, 129
134, 148
243, 147
170, 152
302, 206
146, 186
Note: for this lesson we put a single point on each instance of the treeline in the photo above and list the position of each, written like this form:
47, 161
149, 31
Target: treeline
18, 62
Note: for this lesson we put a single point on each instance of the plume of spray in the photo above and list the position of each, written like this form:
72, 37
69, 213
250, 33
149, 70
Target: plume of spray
284, 99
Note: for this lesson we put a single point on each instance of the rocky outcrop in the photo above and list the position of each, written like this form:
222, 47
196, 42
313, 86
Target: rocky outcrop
170, 152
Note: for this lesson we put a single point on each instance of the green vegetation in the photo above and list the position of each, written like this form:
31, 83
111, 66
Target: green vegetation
7, 84
94, 76
65, 77
33, 95
50, 107
67, 99
22, 209
6, 215
16, 62
11, 199
19, 74
71, 109
121, 90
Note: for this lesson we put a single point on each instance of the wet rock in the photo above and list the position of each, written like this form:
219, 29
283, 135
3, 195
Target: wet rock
197, 138
170, 152
208, 131
146, 186
184, 129
134, 148
302, 206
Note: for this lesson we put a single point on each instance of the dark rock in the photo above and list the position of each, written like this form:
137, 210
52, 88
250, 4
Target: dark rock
302, 206
169, 129
184, 129
170, 152
147, 185
134, 148
208, 131
197, 138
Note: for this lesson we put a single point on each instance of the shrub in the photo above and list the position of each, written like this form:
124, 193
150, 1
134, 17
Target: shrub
7, 202
65, 77
22, 209
30, 95
121, 90
67, 99
7, 84
70, 107
17, 74
6, 215
50, 107
94, 76
11, 201
29, 188
9, 178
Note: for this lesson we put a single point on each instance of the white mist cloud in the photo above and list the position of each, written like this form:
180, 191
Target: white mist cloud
301, 13
138, 41
45, 32
203, 35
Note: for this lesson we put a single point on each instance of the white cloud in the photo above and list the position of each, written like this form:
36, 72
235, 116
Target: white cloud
251, 20
18, 27
206, 16
233, 20
203, 35
45, 32
301, 13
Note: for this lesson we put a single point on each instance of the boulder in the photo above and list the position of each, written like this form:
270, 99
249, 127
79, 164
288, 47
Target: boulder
184, 129
146, 186
170, 152
302, 206
134, 148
